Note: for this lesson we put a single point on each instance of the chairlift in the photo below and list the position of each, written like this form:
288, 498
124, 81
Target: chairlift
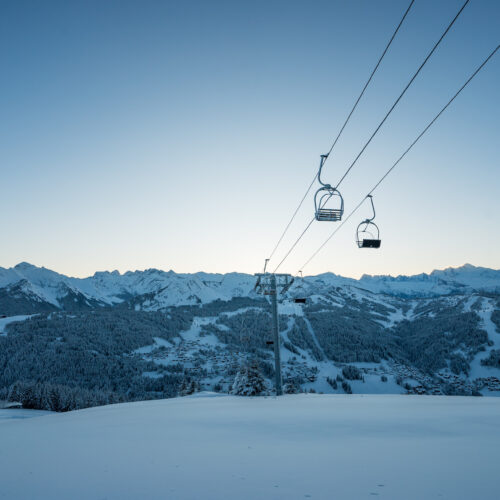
300, 292
324, 195
368, 233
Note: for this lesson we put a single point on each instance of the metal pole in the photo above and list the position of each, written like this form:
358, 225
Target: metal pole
276, 336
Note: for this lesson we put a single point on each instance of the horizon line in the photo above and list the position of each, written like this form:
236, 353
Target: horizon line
119, 273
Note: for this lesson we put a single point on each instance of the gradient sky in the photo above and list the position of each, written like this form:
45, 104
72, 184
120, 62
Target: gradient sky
181, 135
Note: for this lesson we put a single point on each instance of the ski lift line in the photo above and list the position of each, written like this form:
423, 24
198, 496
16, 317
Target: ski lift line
344, 124
402, 156
381, 123
437, 116
293, 217
391, 109
371, 76
295, 244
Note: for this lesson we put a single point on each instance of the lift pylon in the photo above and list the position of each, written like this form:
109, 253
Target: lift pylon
272, 284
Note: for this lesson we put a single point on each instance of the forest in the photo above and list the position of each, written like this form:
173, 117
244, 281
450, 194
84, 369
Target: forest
67, 360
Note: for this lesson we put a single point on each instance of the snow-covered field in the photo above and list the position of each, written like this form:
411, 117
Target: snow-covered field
7, 415
224, 447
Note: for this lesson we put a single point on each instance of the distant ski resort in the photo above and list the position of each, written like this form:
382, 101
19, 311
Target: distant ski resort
72, 343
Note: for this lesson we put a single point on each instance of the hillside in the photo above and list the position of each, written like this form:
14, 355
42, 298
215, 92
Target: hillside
294, 447
69, 343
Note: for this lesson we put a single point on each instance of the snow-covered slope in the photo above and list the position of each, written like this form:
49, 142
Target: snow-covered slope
154, 289
294, 447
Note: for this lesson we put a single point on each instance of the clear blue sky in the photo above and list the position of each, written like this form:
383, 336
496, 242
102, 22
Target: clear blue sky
181, 135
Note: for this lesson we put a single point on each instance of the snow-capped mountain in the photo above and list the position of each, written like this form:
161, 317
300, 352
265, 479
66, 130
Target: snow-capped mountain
146, 334
462, 279
154, 289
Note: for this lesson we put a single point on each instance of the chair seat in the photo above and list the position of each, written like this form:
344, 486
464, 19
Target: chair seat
370, 243
328, 214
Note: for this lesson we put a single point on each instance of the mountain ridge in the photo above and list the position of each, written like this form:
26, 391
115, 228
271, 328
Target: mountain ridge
148, 334
168, 288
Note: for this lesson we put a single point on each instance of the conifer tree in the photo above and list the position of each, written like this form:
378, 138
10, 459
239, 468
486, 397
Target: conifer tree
248, 381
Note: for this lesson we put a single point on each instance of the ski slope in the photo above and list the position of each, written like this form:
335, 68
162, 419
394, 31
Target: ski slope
295, 447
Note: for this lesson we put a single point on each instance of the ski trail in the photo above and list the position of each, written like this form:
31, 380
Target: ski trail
315, 339
476, 368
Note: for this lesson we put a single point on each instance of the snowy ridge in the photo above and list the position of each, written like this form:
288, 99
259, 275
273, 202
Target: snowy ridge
109, 288
154, 289
466, 278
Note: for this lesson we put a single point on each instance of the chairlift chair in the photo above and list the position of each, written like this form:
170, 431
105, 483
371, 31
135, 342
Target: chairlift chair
323, 196
368, 233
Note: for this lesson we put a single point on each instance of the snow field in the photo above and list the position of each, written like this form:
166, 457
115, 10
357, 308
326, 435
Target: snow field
293, 447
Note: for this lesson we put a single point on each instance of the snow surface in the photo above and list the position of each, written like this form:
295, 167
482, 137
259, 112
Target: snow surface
7, 415
294, 447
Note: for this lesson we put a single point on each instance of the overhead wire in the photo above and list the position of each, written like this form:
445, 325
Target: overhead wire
344, 125
480, 67
383, 121
294, 245
402, 94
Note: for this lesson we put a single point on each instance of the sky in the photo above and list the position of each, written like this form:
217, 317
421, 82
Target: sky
182, 135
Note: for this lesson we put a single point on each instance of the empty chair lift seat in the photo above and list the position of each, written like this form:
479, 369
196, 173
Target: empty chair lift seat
369, 243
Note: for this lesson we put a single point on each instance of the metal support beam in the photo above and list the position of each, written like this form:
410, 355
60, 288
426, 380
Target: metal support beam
272, 284
276, 337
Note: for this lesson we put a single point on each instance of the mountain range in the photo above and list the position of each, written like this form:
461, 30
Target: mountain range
154, 334
27, 288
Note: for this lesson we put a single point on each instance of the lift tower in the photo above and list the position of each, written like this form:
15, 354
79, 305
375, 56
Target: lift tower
272, 284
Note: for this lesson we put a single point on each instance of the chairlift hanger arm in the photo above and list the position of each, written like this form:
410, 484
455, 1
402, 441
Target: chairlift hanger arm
373, 208
321, 163
265, 264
